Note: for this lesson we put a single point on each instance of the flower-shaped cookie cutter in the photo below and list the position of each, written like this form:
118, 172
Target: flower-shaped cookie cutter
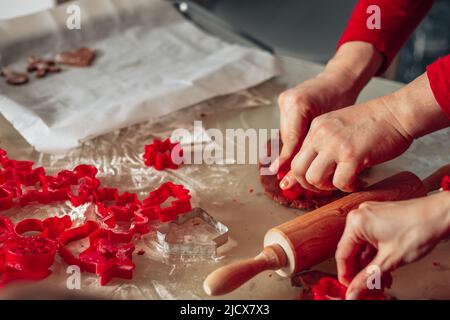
160, 154
87, 184
208, 248
51, 227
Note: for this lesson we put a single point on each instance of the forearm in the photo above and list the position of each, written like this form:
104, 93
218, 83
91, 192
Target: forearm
355, 63
352, 67
397, 20
416, 109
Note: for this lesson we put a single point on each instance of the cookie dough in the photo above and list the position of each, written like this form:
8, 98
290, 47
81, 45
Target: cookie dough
297, 198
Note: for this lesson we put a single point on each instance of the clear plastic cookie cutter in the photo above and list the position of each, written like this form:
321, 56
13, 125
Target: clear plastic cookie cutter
194, 233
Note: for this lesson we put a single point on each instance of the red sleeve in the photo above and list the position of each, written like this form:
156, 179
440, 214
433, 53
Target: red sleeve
398, 19
438, 74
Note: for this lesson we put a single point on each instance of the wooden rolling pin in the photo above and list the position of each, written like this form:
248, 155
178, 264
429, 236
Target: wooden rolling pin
312, 238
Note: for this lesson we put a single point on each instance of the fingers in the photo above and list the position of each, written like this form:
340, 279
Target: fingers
292, 137
294, 124
369, 278
345, 176
366, 255
362, 266
320, 172
299, 167
348, 248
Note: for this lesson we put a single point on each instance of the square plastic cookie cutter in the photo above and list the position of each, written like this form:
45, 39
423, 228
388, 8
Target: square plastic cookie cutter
195, 233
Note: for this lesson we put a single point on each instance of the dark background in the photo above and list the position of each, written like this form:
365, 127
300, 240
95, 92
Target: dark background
310, 29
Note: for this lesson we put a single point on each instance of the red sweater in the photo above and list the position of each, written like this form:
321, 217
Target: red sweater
398, 19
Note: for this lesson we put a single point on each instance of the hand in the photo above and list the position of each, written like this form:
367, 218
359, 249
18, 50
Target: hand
340, 144
336, 87
388, 235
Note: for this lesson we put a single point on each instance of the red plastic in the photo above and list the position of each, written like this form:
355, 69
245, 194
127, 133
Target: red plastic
49, 228
30, 254
21, 184
6, 230
110, 248
445, 183
6, 199
75, 234
138, 224
152, 204
330, 289
159, 154
298, 191
108, 260
122, 208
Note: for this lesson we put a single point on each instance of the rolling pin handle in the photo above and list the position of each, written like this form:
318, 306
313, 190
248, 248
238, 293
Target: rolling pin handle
232, 276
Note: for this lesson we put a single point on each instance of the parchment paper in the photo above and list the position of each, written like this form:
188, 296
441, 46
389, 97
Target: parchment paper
151, 62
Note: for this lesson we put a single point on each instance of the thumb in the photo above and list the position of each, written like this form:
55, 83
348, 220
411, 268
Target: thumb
292, 137
369, 278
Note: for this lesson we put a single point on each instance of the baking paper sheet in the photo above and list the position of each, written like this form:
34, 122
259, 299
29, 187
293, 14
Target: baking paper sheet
151, 62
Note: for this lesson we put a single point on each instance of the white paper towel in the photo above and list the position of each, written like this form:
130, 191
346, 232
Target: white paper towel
146, 68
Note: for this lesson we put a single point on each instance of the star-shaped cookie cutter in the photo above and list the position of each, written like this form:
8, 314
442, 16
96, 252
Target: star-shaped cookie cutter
194, 249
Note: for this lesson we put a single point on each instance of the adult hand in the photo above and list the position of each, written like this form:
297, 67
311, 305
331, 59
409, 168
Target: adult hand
336, 87
388, 235
340, 144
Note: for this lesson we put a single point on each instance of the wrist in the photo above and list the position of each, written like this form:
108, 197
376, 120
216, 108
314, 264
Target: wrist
356, 63
416, 109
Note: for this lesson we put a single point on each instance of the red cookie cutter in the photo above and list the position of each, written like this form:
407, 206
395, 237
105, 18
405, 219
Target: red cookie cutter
40, 194
6, 199
122, 205
109, 253
18, 174
152, 204
17, 164
30, 253
330, 289
138, 224
159, 154
84, 231
445, 183
297, 190
27, 258
6, 230
108, 260
8, 184
123, 209
48, 228
63, 179
87, 185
